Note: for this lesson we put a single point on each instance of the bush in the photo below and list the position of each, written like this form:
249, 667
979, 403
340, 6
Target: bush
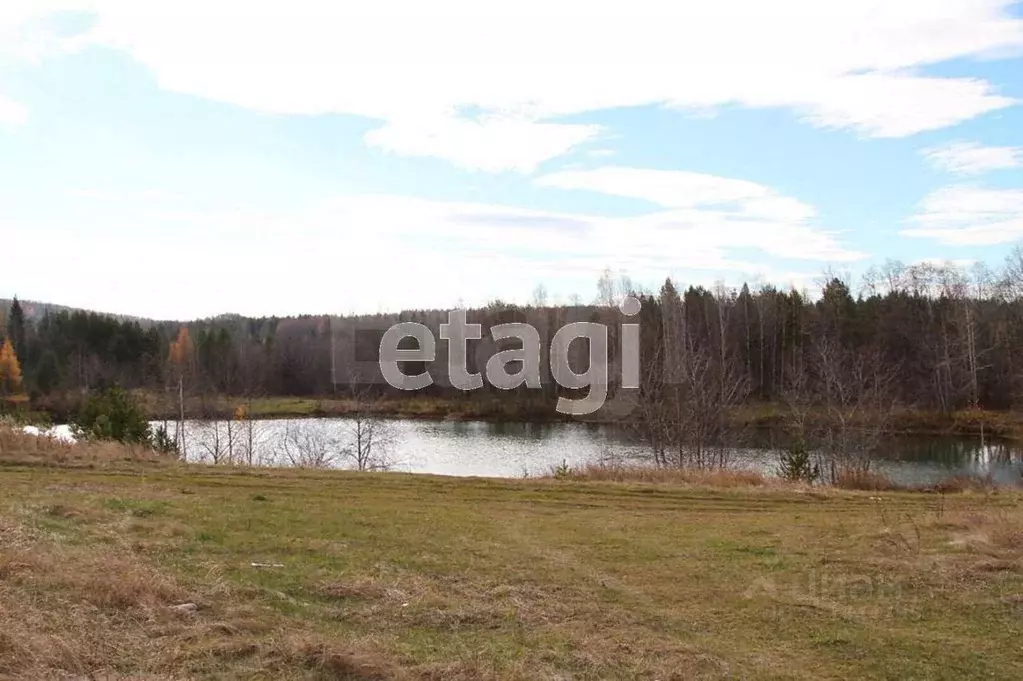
112, 415
796, 464
22, 417
162, 442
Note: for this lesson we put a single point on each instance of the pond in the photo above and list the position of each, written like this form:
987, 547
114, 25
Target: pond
472, 448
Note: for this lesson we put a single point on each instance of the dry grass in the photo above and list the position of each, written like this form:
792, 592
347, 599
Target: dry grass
866, 481
17, 447
996, 534
848, 479
615, 472
104, 579
661, 575
873, 481
101, 612
416, 577
964, 483
327, 660
79, 611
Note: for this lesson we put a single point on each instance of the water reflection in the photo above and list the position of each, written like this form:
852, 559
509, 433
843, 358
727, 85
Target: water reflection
474, 448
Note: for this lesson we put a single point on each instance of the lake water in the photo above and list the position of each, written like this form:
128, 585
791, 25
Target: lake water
518, 449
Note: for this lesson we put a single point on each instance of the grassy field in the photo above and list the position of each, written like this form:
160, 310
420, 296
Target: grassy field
333, 575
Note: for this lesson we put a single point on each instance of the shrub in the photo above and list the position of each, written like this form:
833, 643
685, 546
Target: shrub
796, 464
112, 415
162, 442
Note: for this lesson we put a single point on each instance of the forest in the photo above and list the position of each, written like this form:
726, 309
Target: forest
932, 337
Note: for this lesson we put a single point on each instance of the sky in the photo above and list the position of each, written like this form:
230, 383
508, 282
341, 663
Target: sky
186, 159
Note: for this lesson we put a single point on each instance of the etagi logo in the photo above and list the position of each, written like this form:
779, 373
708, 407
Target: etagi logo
528, 357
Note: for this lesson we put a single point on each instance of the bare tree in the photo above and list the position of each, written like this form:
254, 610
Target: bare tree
606, 289
539, 296
308, 445
214, 448
840, 405
1011, 282
368, 437
688, 394
249, 439
360, 440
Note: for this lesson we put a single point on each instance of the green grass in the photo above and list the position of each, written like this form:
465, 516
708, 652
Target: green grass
399, 576
462, 407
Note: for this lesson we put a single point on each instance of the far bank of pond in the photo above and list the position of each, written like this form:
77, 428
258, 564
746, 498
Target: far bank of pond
531, 410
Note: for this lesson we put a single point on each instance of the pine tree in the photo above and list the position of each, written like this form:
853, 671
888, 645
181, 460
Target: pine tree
47, 373
113, 415
16, 326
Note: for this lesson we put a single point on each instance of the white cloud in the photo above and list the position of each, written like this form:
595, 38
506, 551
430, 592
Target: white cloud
969, 215
28, 34
12, 113
384, 252
492, 145
682, 189
687, 239
897, 104
111, 196
416, 66
970, 158
713, 211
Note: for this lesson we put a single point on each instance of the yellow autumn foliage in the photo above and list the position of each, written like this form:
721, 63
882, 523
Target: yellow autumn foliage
181, 349
10, 369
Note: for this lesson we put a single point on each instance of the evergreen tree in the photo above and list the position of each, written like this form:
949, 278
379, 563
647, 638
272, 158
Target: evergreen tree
112, 415
47, 373
16, 326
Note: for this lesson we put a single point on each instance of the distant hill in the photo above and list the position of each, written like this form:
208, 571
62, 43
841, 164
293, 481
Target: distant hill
35, 310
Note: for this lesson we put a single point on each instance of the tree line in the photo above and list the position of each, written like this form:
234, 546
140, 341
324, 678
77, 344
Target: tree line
934, 336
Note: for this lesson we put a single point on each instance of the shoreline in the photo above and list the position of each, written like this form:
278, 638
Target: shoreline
33, 450
987, 424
